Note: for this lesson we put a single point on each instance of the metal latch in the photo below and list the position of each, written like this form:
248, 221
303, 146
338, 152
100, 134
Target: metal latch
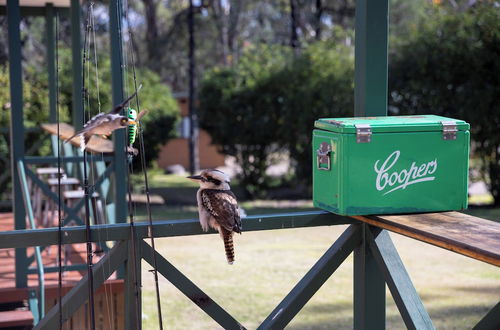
363, 133
323, 156
449, 130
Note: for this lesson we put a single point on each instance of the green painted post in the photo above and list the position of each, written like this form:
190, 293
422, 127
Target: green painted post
115, 16
372, 26
369, 288
370, 99
133, 312
16, 130
76, 57
51, 60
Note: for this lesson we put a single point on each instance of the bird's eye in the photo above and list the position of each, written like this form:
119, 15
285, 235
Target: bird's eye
124, 121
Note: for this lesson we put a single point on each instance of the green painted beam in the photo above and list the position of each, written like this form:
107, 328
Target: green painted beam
369, 288
370, 85
115, 20
166, 228
51, 59
76, 58
314, 279
189, 289
77, 296
16, 129
406, 297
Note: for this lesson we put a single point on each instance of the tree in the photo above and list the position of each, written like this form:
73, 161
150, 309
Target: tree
450, 67
239, 116
269, 102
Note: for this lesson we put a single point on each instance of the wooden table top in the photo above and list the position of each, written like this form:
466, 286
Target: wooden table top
96, 143
471, 236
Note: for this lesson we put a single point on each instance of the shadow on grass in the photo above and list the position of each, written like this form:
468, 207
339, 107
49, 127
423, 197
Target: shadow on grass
486, 289
443, 318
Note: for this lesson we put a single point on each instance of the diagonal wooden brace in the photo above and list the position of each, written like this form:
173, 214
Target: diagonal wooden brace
77, 296
314, 279
406, 297
189, 289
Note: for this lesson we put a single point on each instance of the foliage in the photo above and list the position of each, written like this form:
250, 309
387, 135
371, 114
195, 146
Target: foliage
240, 120
269, 101
451, 68
317, 84
35, 98
158, 125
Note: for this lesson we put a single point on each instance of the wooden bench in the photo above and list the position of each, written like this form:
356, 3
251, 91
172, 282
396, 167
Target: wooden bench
458, 232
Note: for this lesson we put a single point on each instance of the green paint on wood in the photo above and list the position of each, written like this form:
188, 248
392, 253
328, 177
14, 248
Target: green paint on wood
370, 92
51, 60
40, 269
165, 228
16, 129
77, 296
406, 297
369, 288
189, 289
314, 279
76, 57
115, 17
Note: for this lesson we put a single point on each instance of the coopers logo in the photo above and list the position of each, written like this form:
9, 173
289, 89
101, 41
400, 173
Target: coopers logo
393, 180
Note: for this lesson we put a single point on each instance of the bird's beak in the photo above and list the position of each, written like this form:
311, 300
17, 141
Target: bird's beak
131, 122
195, 177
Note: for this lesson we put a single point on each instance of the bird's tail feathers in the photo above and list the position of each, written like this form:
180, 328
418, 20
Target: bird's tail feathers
228, 246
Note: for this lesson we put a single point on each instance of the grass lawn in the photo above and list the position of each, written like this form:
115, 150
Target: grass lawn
457, 291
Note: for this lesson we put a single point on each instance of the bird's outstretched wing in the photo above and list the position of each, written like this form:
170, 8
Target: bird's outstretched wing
223, 206
121, 105
94, 122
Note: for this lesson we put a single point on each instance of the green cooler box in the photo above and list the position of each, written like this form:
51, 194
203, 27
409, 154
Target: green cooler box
386, 165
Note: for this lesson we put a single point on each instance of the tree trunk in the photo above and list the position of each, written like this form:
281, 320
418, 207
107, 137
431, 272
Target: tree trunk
294, 38
221, 23
319, 14
151, 30
494, 174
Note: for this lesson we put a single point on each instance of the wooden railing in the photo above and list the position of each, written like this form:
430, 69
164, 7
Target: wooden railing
370, 243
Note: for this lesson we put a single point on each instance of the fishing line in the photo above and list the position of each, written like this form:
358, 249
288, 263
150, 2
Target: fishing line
146, 183
102, 243
60, 223
86, 188
131, 215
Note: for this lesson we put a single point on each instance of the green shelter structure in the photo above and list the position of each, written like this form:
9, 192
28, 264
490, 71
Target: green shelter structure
30, 286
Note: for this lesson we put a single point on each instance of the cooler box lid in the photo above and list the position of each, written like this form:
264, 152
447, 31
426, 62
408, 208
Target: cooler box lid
386, 124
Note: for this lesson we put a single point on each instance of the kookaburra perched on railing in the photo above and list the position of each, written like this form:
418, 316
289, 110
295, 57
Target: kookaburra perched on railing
104, 123
217, 207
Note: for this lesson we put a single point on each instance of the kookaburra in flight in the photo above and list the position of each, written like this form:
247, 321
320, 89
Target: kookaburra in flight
217, 207
104, 123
